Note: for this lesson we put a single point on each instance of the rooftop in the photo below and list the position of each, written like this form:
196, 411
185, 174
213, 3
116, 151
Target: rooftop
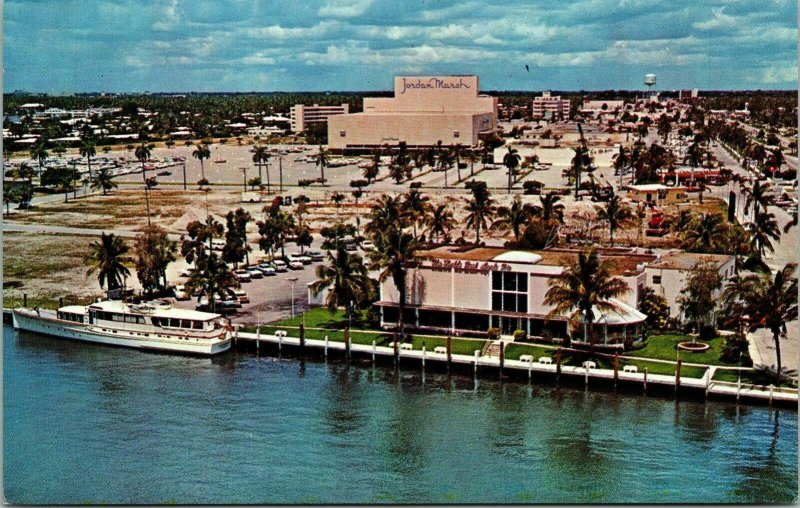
687, 260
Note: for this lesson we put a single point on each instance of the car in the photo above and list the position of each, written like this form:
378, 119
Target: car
164, 173
351, 247
280, 266
306, 260
217, 244
180, 293
241, 295
187, 272
267, 269
315, 255
367, 245
255, 273
233, 298
295, 265
242, 275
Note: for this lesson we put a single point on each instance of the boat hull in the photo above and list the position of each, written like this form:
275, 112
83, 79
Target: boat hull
30, 322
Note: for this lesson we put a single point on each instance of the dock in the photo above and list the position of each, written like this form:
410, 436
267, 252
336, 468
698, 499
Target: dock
704, 386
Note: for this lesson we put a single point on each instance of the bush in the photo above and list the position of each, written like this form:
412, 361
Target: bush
520, 335
415, 185
202, 182
707, 332
493, 333
734, 347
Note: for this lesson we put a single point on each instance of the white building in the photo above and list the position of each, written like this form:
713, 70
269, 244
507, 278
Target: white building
302, 116
550, 106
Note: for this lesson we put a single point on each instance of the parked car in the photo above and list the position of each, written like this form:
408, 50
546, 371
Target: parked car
280, 266
241, 295
242, 275
233, 298
267, 269
255, 273
367, 245
186, 272
295, 265
315, 255
351, 247
217, 244
180, 293
306, 260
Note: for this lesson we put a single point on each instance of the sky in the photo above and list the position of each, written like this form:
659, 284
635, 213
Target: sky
66, 46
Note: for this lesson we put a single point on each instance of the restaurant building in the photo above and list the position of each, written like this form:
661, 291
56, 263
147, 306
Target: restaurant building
424, 111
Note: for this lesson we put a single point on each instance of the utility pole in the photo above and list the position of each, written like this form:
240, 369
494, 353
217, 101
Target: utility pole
280, 170
184, 175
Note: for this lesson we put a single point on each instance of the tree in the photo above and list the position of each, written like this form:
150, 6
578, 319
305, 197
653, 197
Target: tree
706, 233
511, 161
763, 230
62, 178
480, 210
416, 206
201, 153
236, 249
387, 213
472, 157
698, 300
25, 172
513, 218
108, 258
394, 254
655, 307
12, 194
322, 159
372, 169
143, 153
440, 222
345, 278
88, 149
615, 213
759, 196
211, 279
550, 208
254, 182
768, 301
664, 127
444, 162
39, 153
103, 180
154, 252
582, 287
260, 157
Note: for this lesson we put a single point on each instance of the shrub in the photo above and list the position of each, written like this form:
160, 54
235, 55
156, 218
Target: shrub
734, 348
415, 185
202, 182
707, 332
493, 333
520, 335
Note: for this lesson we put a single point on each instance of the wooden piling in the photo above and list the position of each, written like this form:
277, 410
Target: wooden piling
645, 379
678, 374
502, 357
396, 350
347, 342
558, 362
476, 362
449, 352
616, 367
374, 346
326, 347
24, 299
60, 301
302, 339
423, 357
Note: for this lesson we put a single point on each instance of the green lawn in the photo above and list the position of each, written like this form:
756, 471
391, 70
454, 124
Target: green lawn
662, 347
666, 369
515, 350
749, 376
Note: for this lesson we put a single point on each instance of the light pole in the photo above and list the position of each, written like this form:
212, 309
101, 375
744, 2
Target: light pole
244, 178
292, 280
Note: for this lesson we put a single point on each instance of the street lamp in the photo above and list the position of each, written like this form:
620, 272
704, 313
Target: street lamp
292, 280
244, 177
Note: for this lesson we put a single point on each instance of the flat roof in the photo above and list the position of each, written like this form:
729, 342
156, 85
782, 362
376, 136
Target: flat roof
687, 260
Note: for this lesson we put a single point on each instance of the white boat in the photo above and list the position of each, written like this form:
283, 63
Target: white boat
149, 326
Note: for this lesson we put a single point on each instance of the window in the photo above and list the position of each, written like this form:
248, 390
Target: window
342, 134
456, 134
656, 279
510, 291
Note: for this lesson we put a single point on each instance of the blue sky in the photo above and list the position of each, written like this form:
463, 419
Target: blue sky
61, 46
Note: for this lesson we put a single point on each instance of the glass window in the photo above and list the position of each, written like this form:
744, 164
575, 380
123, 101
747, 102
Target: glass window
497, 280
509, 302
497, 301
522, 282
656, 279
509, 281
522, 303
197, 325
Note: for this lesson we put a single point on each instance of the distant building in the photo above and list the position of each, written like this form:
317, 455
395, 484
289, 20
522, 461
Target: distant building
688, 94
600, 106
302, 116
657, 194
550, 106
424, 111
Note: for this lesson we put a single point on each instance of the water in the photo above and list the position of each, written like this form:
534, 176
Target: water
86, 423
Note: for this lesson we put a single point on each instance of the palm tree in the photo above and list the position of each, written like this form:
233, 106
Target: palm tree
26, 172
201, 152
581, 288
345, 278
394, 254
143, 153
103, 179
759, 195
511, 161
108, 257
472, 157
480, 210
416, 206
445, 162
39, 153
211, 279
513, 217
261, 156
387, 213
615, 213
706, 233
551, 209
372, 170
88, 150
457, 155
768, 301
664, 127
440, 222
322, 158
763, 229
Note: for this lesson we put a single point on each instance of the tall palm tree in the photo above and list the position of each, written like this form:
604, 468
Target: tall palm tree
445, 162
26, 172
440, 222
107, 258
706, 233
394, 254
260, 156
372, 170
550, 209
582, 287
615, 213
201, 153
513, 217
768, 301
211, 279
511, 161
387, 213
39, 153
472, 157
88, 149
759, 196
104, 180
322, 159
416, 206
763, 229
345, 278
480, 210
143, 153
664, 126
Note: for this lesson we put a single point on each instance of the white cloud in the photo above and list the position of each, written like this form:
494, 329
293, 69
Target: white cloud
169, 16
779, 74
344, 8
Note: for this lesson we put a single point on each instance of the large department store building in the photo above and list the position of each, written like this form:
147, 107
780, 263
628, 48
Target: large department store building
424, 111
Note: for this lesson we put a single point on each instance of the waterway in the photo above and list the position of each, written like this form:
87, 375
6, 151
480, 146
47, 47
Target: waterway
94, 424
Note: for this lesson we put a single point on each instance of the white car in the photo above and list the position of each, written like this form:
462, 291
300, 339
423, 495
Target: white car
295, 265
255, 273
186, 272
180, 293
367, 245
306, 260
242, 275
241, 295
279, 265
267, 269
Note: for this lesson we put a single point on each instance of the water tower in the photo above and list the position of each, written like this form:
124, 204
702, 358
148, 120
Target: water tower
650, 82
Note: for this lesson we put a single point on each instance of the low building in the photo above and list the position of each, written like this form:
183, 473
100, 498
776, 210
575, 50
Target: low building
425, 111
550, 107
667, 274
302, 116
657, 194
457, 290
